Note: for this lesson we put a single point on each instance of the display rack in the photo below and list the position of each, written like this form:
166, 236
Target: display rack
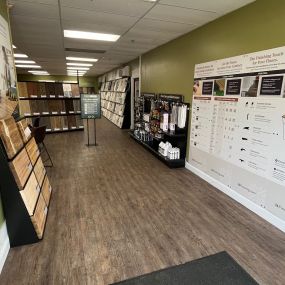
24, 184
148, 130
115, 102
57, 104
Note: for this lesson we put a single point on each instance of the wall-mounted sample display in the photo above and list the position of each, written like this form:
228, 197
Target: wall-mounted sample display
115, 101
10, 136
57, 104
25, 189
162, 127
237, 136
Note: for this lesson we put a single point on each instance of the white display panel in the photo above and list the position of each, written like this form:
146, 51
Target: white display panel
238, 126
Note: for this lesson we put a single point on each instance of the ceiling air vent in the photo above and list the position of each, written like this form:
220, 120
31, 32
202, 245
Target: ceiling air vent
84, 50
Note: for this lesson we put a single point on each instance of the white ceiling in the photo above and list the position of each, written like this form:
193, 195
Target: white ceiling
37, 27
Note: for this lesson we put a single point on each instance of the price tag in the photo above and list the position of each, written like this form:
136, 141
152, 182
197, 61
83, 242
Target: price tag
27, 114
73, 128
27, 132
62, 112
54, 113
60, 96
36, 114
30, 166
34, 96
71, 112
45, 113
81, 127
52, 96
56, 129
43, 96
65, 129
22, 97
48, 130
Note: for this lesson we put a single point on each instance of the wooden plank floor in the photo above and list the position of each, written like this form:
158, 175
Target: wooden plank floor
117, 212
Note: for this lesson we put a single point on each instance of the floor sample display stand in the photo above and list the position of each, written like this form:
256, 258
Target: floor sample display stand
57, 104
161, 123
24, 184
115, 102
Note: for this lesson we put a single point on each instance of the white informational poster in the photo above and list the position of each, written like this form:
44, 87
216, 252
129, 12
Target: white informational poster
7, 70
238, 126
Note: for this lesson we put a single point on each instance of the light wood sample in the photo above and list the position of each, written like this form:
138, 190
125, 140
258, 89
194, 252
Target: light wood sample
10, 136
39, 216
40, 171
33, 150
30, 193
46, 190
24, 130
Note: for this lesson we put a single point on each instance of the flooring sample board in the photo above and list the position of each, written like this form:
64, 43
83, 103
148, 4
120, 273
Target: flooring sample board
31, 193
67, 90
42, 89
69, 106
24, 130
75, 90
42, 106
39, 217
219, 268
71, 122
46, 190
21, 168
58, 89
33, 151
40, 171
23, 90
34, 106
32, 89
64, 122
50, 88
53, 106
45, 121
10, 136
25, 107
76, 105
53, 122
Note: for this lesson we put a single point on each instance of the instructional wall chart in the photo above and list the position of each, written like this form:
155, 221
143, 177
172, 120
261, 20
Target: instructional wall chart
238, 125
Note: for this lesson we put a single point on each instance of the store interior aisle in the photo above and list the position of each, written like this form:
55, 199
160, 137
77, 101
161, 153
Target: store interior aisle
117, 212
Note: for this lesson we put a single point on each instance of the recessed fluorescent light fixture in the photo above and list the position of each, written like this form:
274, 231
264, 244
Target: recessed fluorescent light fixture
13, 46
20, 55
39, 73
78, 68
82, 59
90, 36
78, 64
24, 61
46, 80
27, 66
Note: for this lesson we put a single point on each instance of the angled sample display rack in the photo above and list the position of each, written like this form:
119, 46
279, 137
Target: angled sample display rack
24, 184
115, 101
57, 104
161, 126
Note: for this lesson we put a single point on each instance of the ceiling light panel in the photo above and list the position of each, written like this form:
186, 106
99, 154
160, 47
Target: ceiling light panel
24, 61
27, 66
20, 55
77, 68
81, 59
90, 36
78, 64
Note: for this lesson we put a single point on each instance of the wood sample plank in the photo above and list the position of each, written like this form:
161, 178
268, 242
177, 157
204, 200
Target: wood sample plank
24, 130
10, 136
21, 168
75, 90
25, 107
46, 190
30, 193
40, 171
39, 217
33, 150
23, 90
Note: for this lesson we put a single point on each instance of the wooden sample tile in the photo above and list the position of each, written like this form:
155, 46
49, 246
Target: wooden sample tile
33, 150
45, 121
40, 171
32, 89
67, 90
58, 89
10, 136
71, 122
42, 89
31, 193
75, 90
23, 90
52, 106
24, 130
69, 106
25, 107
50, 89
46, 190
76, 105
39, 217
21, 168
34, 106
64, 122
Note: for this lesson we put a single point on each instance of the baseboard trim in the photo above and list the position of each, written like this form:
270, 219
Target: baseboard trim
278, 223
4, 245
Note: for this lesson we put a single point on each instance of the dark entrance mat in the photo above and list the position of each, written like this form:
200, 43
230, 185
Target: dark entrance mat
217, 269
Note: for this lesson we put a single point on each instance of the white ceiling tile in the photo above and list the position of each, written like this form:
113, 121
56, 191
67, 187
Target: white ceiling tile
135, 8
87, 44
35, 10
218, 6
180, 15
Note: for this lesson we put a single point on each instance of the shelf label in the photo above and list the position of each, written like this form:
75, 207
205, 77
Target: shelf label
30, 166
62, 112
22, 97
46, 210
48, 130
54, 113
38, 189
71, 112
50, 189
45, 113
52, 96
36, 114
27, 114
56, 129
34, 96
65, 128
81, 127
60, 96
27, 132
73, 128
43, 96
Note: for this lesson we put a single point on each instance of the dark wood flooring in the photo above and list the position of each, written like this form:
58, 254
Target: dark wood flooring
117, 212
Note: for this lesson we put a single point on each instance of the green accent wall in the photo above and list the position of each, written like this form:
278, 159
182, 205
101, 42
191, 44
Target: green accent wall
255, 27
4, 14
84, 81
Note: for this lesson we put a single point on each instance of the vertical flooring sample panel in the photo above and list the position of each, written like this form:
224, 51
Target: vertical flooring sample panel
42, 89
39, 217
25, 107
21, 168
23, 90
46, 190
10, 136
33, 150
32, 89
75, 90
34, 106
30, 194
40, 171
69, 105
58, 89
71, 122
24, 130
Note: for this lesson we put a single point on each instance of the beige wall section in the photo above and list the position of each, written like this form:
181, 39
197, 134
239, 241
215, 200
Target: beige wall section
84, 81
255, 27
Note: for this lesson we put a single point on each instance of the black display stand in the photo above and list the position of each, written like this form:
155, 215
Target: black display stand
177, 138
20, 228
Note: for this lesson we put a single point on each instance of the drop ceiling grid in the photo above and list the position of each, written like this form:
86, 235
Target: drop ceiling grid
142, 26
